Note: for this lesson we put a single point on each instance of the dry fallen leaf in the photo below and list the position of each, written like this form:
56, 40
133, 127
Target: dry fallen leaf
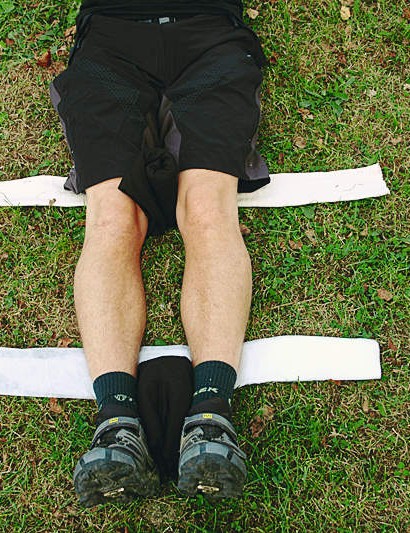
295, 245
347, 3
258, 423
252, 13
310, 234
365, 405
244, 230
70, 32
44, 60
345, 13
57, 67
281, 158
299, 142
267, 412
64, 342
384, 295
342, 58
256, 426
397, 140
392, 346
337, 382
54, 407
365, 232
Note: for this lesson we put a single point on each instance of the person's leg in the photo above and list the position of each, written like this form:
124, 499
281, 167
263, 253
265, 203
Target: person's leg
215, 303
108, 289
217, 283
110, 306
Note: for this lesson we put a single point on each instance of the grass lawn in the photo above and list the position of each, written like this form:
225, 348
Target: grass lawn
329, 456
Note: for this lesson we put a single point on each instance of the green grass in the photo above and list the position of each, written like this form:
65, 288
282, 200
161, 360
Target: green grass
334, 457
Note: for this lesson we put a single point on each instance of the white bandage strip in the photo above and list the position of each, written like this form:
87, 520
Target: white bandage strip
62, 372
284, 190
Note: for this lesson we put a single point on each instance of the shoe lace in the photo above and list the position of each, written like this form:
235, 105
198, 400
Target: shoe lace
122, 438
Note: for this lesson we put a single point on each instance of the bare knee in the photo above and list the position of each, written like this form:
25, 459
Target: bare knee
113, 216
207, 203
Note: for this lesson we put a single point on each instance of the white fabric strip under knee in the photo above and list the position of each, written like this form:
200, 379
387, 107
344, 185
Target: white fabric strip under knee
284, 190
62, 372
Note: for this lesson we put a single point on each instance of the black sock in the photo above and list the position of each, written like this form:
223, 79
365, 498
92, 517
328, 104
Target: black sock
214, 382
116, 394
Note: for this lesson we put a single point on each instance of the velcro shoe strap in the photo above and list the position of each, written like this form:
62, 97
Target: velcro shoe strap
118, 422
210, 419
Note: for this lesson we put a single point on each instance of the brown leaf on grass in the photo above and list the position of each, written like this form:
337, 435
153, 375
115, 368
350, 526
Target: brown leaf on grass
70, 32
295, 245
9, 42
384, 295
406, 13
342, 58
397, 140
258, 423
345, 13
365, 232
365, 405
310, 234
281, 158
252, 13
44, 60
54, 406
256, 426
274, 58
282, 245
299, 142
244, 230
57, 67
305, 114
337, 382
64, 342
4, 256
392, 346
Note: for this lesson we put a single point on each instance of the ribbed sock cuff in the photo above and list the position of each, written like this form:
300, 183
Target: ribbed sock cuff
116, 388
213, 379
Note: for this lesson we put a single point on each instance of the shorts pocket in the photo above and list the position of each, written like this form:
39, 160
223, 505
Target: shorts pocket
257, 51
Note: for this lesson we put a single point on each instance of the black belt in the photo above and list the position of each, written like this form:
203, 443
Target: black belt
165, 20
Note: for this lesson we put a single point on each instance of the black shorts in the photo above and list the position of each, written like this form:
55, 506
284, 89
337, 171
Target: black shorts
143, 101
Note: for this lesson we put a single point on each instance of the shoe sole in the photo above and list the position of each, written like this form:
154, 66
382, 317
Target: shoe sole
99, 478
214, 476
